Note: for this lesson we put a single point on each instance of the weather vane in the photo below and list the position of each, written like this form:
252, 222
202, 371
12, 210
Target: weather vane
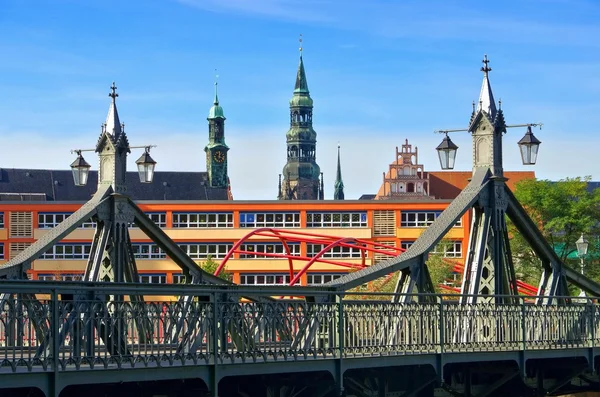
300, 40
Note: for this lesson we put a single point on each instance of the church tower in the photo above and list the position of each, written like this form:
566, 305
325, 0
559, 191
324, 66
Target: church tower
338, 187
216, 149
301, 173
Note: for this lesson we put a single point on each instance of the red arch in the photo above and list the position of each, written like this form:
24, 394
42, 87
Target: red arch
287, 236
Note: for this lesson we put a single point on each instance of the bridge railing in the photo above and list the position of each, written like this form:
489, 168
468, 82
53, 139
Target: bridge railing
67, 326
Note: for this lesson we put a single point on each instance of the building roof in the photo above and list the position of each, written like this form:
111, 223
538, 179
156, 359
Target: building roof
448, 184
58, 185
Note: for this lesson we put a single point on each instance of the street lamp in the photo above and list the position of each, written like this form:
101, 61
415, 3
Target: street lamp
80, 169
146, 166
447, 153
529, 146
582, 248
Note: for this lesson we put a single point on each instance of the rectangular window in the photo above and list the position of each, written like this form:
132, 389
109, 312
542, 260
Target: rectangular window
406, 244
269, 219
179, 278
1, 250
321, 278
153, 278
21, 224
336, 219
204, 250
421, 218
61, 277
68, 251
265, 279
202, 219
334, 252
148, 251
264, 250
49, 220
449, 249
1, 220
160, 218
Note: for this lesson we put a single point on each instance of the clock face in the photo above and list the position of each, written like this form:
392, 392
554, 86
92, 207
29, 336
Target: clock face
219, 156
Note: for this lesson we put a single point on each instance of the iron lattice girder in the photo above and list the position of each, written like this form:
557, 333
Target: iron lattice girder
22, 262
544, 251
428, 240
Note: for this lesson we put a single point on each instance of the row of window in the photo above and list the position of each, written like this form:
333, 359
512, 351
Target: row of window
421, 218
284, 279
49, 220
245, 279
450, 249
258, 219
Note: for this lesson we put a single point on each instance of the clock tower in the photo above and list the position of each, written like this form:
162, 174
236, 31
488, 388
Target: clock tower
301, 173
216, 149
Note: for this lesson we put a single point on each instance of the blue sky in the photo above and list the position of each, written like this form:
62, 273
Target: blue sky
379, 71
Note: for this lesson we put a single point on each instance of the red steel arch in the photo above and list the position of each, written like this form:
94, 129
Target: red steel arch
329, 242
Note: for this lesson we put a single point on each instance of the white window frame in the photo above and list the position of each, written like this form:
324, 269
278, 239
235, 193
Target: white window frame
270, 248
421, 218
204, 250
451, 249
61, 277
147, 251
70, 251
2, 251
202, 220
1, 220
269, 219
160, 218
334, 252
321, 278
336, 219
153, 278
406, 244
265, 278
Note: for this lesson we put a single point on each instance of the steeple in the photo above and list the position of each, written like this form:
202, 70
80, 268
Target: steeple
301, 172
486, 97
216, 111
216, 149
113, 124
338, 193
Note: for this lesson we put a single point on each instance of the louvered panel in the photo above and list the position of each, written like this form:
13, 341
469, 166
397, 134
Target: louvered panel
384, 223
21, 224
17, 248
380, 257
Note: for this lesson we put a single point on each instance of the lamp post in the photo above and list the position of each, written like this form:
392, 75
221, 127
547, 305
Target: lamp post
145, 164
582, 247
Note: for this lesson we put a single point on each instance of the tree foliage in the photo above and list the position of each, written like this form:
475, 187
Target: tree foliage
210, 266
562, 210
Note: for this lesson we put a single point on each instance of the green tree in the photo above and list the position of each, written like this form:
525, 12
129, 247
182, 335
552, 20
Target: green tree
210, 266
562, 210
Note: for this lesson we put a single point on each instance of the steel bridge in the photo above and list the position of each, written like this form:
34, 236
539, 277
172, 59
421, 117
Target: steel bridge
213, 337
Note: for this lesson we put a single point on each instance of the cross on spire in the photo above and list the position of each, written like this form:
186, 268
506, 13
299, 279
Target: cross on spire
113, 94
485, 68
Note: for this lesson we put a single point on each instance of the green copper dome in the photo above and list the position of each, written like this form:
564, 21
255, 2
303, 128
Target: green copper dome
301, 100
216, 111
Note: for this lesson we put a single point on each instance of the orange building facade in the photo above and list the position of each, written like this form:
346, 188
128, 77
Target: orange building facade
204, 228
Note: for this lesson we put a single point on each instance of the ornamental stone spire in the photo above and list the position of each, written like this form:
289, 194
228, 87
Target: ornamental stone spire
113, 124
338, 192
486, 97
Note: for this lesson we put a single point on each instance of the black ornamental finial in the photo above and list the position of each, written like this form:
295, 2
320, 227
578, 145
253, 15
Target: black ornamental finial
485, 68
113, 94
